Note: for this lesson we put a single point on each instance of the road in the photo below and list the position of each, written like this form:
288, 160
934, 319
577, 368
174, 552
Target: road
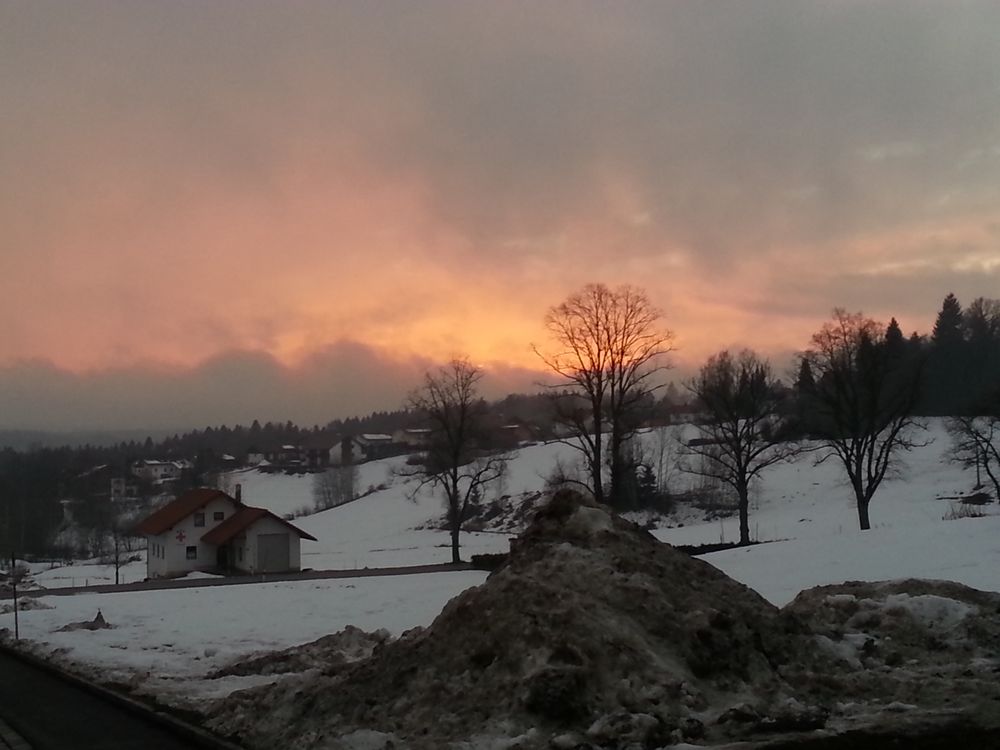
50, 713
305, 575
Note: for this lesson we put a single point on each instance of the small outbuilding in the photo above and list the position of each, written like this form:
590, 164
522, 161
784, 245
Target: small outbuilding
207, 530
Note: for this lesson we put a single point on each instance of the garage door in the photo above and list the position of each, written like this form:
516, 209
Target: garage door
272, 553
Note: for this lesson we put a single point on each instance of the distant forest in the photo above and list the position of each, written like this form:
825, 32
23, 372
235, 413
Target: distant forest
961, 375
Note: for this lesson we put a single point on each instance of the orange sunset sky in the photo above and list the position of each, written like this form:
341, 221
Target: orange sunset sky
214, 211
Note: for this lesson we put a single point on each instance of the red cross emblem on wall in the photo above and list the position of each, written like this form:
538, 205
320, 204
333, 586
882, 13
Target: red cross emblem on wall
181, 536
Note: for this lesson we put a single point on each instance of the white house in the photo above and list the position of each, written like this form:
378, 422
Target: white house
207, 530
157, 471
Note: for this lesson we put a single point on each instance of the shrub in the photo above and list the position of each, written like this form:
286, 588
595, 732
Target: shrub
962, 510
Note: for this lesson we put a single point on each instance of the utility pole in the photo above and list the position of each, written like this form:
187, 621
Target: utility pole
13, 584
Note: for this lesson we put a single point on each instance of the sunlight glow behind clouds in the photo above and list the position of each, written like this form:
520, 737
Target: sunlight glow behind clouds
181, 181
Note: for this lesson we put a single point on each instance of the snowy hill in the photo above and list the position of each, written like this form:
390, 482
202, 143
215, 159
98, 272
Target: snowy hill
798, 502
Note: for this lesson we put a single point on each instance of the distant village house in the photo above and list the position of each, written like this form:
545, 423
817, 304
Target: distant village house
159, 471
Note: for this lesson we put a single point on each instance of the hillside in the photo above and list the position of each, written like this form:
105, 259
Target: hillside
166, 644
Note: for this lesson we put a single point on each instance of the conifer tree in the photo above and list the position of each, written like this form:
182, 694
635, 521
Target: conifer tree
948, 326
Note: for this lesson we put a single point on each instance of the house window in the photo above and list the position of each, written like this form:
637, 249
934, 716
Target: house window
199, 519
239, 554
218, 515
192, 553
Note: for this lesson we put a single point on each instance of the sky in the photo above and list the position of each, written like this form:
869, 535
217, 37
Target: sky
214, 211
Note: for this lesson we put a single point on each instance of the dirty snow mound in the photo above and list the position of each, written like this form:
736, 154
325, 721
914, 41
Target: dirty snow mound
329, 652
908, 645
592, 632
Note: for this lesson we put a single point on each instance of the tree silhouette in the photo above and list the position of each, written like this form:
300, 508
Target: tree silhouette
744, 434
864, 401
606, 347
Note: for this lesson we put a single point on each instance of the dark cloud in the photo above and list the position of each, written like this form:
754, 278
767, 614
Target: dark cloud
722, 115
347, 379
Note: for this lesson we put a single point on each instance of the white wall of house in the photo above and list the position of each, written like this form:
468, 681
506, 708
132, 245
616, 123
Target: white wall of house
174, 543
251, 553
156, 563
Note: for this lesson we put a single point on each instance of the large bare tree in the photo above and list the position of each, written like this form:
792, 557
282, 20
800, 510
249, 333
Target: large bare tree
863, 401
976, 442
455, 460
976, 439
744, 433
606, 346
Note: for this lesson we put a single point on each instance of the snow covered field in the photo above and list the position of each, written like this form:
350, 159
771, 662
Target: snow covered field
166, 641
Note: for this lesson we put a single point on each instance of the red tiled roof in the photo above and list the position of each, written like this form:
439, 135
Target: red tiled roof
243, 519
174, 512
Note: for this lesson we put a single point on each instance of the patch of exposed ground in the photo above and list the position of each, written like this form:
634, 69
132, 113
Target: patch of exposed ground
507, 514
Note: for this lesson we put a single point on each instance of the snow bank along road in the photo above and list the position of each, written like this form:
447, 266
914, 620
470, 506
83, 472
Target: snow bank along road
50, 712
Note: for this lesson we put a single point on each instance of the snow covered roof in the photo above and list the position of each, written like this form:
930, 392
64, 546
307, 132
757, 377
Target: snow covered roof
376, 437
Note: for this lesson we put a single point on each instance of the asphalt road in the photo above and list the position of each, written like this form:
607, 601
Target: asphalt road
182, 583
52, 714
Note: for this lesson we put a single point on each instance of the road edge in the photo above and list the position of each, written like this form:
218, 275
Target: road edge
200, 737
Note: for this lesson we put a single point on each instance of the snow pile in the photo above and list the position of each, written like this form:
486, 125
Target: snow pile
329, 652
98, 623
907, 645
593, 632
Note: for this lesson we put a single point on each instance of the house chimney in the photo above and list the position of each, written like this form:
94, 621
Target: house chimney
239, 493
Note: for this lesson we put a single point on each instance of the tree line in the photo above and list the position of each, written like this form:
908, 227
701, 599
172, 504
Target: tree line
860, 388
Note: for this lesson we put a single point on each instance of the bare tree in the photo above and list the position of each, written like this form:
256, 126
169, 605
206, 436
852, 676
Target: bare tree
335, 486
116, 542
455, 461
863, 402
743, 435
117, 553
606, 346
665, 457
976, 442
